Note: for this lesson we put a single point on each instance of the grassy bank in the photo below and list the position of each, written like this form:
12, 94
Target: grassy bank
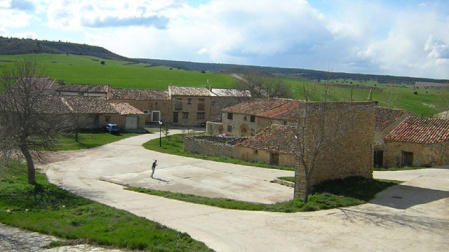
332, 194
51, 210
89, 140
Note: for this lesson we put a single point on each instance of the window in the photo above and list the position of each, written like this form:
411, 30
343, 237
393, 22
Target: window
201, 105
185, 114
200, 115
146, 112
229, 128
178, 104
230, 116
189, 101
155, 116
252, 118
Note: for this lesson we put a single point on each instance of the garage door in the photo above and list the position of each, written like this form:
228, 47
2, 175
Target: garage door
131, 122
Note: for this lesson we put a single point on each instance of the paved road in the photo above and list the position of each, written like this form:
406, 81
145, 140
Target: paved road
411, 217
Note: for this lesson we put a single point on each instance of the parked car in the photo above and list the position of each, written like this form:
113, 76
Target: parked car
112, 128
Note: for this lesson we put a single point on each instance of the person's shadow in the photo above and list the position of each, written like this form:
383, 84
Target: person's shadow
166, 181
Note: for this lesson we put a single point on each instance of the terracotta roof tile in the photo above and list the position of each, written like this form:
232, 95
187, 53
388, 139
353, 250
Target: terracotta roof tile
387, 116
138, 94
420, 130
89, 105
274, 139
87, 88
223, 92
276, 108
124, 108
41, 83
188, 91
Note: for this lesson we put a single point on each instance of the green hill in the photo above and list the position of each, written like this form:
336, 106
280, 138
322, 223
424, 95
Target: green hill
118, 74
84, 64
13, 46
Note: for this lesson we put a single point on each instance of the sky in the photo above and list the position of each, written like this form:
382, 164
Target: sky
388, 37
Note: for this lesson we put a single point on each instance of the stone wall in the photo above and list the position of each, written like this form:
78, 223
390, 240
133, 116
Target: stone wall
423, 154
212, 146
252, 155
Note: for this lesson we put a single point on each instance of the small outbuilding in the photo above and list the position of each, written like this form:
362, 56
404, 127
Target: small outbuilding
418, 141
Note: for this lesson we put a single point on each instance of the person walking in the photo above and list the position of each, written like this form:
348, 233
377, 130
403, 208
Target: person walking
153, 167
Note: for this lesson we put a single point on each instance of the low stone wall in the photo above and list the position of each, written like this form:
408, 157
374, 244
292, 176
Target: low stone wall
212, 146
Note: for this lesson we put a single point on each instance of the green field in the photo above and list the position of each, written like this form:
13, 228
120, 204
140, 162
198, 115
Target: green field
426, 102
121, 74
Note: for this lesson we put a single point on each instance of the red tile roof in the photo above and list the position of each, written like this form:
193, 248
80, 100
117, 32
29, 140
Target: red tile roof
138, 94
124, 108
188, 91
40, 83
274, 139
87, 88
420, 130
386, 116
276, 108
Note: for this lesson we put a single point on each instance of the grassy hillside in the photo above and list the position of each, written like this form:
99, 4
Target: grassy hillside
123, 74
422, 102
119, 74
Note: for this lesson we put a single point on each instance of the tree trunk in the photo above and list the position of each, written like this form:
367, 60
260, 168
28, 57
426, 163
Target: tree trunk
306, 192
30, 164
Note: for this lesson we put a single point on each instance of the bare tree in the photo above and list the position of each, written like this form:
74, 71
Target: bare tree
27, 126
262, 86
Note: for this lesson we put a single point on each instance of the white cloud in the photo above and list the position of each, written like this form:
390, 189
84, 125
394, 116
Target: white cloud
76, 14
436, 48
382, 37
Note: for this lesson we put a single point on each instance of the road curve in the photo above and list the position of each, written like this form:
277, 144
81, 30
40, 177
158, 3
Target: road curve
413, 216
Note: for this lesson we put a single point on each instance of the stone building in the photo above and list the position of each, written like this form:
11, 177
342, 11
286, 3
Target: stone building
155, 104
386, 120
249, 118
418, 141
95, 112
193, 106
335, 140
275, 145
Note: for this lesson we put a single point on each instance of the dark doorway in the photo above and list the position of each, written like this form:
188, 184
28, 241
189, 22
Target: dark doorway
378, 158
407, 158
274, 159
175, 117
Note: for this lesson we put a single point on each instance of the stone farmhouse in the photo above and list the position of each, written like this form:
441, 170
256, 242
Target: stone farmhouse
274, 145
418, 141
387, 119
191, 106
155, 104
249, 118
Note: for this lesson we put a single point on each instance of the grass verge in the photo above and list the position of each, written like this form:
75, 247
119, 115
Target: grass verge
89, 139
405, 168
50, 210
173, 144
331, 194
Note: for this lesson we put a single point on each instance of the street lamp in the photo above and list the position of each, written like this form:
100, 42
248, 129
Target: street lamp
160, 133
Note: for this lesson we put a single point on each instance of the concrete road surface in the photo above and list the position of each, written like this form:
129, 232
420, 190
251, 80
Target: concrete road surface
413, 216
